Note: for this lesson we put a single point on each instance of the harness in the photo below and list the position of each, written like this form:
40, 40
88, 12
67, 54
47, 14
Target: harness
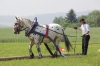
32, 30
47, 30
29, 31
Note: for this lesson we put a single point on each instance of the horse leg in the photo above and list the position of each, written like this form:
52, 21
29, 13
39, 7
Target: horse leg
57, 50
56, 46
38, 45
39, 50
30, 50
57, 42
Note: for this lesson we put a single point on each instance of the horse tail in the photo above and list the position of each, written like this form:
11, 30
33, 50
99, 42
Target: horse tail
67, 42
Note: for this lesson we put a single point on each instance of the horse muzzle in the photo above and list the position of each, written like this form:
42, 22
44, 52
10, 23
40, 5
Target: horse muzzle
16, 31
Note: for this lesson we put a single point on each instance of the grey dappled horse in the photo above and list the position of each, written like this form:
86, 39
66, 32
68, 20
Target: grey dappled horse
55, 32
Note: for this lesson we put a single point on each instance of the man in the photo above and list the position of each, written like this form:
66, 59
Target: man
85, 35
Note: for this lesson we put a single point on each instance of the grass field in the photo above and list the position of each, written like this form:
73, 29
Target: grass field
7, 35
17, 45
21, 49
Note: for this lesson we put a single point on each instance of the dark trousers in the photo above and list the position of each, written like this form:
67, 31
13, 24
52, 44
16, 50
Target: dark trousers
85, 41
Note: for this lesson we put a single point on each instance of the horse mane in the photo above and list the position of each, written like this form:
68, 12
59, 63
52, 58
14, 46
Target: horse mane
26, 21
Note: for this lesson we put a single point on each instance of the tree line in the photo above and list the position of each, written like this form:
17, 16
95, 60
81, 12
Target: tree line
71, 19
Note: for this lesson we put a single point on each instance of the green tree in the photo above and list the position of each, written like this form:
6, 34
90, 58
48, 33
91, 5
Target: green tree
82, 17
71, 16
64, 23
58, 20
93, 18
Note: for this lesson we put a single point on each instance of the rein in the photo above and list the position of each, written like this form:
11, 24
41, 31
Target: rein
57, 32
75, 42
75, 38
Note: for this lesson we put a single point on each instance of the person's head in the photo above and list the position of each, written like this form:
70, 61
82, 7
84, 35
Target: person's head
82, 21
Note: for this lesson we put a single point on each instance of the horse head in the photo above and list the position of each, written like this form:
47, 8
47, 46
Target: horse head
17, 25
22, 24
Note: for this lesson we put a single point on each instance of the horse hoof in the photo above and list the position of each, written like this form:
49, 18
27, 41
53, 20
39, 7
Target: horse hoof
63, 55
40, 56
32, 56
55, 54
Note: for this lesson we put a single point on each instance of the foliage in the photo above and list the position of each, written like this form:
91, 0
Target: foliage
64, 23
82, 17
71, 16
93, 18
58, 20
68, 21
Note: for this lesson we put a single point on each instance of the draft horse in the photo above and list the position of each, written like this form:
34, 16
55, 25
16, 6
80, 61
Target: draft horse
38, 33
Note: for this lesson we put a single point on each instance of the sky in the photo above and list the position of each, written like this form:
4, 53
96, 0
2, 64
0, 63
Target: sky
32, 7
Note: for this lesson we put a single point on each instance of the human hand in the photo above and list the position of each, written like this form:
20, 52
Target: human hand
75, 28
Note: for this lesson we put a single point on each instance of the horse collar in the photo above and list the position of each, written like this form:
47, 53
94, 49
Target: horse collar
28, 31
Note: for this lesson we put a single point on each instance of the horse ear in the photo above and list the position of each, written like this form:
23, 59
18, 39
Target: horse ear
16, 17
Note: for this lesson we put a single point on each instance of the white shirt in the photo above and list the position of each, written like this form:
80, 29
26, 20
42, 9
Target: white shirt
85, 28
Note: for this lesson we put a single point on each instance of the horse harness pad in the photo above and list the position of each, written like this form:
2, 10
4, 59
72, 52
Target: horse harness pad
32, 30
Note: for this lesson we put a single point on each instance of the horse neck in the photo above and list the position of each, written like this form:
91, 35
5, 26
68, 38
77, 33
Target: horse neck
26, 24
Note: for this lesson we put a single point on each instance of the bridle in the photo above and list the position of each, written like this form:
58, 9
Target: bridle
18, 27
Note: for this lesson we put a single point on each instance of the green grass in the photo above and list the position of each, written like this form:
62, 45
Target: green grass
94, 33
17, 45
7, 35
21, 49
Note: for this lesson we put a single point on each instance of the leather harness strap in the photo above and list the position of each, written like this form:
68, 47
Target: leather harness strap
47, 29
